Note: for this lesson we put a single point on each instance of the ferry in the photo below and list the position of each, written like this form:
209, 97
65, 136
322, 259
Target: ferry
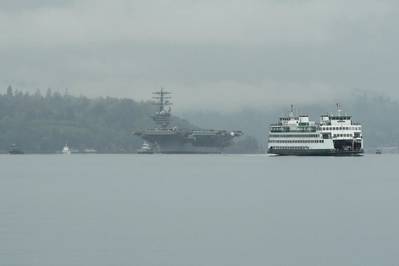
333, 135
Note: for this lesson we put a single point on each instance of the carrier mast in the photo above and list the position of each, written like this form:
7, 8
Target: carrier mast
162, 100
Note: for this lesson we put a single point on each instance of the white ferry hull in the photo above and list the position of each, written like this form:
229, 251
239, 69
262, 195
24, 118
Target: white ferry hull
315, 152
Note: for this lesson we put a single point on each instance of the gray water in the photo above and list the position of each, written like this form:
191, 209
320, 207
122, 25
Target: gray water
198, 210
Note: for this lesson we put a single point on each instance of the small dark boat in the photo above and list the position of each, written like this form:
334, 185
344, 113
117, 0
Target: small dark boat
14, 150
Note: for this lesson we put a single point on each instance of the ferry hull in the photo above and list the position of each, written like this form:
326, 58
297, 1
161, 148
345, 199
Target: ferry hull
315, 152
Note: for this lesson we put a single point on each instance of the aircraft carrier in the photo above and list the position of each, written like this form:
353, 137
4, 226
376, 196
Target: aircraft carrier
173, 140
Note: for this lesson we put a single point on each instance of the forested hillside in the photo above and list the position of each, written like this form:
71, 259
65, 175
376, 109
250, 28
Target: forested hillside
44, 123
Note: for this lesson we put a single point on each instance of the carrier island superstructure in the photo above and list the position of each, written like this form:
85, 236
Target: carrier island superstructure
173, 140
335, 134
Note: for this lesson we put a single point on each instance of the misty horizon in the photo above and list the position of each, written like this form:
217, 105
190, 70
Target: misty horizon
181, 106
210, 54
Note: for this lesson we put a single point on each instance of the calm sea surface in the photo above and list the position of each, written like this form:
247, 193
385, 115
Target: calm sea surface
199, 210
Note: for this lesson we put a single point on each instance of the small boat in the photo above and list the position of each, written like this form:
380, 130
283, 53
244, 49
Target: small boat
14, 150
378, 151
146, 149
89, 151
66, 150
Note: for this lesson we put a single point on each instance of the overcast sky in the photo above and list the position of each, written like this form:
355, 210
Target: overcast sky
218, 54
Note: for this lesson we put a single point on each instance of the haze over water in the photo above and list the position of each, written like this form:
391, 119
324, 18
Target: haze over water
198, 210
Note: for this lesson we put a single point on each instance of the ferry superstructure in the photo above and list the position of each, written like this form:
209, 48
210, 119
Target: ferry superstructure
333, 135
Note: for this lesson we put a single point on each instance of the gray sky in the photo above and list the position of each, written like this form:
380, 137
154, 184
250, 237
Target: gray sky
217, 54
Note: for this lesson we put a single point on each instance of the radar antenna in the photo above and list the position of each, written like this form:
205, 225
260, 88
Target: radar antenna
292, 111
162, 100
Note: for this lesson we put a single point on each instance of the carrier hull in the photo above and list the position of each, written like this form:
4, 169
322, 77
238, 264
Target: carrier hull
175, 141
189, 149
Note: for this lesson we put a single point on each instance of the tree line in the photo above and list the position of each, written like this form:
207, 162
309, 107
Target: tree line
39, 123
